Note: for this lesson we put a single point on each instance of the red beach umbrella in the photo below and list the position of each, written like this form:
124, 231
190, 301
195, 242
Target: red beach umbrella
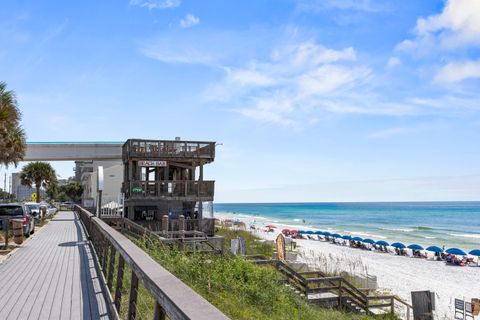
271, 226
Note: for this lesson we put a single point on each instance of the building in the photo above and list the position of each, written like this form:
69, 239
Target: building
165, 177
87, 175
21, 192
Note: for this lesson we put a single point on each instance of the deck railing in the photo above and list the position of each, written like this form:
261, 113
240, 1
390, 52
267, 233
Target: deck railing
115, 252
138, 189
136, 148
314, 282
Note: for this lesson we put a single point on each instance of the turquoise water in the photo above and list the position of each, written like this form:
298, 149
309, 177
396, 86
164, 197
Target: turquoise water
453, 224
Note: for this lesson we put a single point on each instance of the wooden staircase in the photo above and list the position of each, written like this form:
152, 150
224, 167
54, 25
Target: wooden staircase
336, 291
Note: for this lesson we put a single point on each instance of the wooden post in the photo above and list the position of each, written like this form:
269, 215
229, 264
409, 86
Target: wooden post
111, 267
119, 284
165, 224
159, 312
132, 304
105, 255
6, 224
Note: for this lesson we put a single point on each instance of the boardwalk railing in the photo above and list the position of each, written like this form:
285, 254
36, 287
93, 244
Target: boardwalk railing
347, 295
115, 252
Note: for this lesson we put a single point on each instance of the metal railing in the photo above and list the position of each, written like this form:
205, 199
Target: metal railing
115, 252
136, 148
169, 189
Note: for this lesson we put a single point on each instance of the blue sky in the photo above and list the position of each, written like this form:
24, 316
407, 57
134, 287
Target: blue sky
312, 100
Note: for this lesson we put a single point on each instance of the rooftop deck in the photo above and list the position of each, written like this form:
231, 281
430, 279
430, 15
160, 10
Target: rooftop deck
53, 276
163, 149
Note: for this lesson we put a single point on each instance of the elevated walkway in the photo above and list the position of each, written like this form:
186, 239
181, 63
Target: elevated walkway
71, 151
53, 276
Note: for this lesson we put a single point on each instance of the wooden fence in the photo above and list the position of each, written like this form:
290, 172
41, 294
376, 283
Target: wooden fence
173, 298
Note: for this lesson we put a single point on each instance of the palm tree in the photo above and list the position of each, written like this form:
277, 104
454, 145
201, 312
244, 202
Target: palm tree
40, 174
12, 136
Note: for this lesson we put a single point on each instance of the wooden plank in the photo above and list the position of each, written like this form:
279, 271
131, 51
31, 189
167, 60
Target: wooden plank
111, 268
119, 283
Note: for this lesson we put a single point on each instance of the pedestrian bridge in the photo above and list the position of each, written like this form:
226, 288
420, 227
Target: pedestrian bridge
71, 151
78, 267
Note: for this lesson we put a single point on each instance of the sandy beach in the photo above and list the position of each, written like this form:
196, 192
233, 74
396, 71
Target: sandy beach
395, 274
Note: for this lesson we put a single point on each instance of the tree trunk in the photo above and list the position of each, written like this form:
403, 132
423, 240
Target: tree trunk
37, 186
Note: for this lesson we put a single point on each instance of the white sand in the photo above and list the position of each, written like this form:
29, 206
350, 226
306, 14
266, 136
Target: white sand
395, 274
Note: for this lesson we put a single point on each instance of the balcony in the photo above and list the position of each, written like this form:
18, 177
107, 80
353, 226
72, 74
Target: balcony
187, 190
147, 149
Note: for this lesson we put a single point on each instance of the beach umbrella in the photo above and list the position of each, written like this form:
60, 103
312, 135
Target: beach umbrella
456, 251
475, 252
382, 243
370, 241
328, 234
415, 247
270, 226
309, 232
434, 249
357, 239
398, 245
286, 230
318, 232
301, 232
347, 237
336, 235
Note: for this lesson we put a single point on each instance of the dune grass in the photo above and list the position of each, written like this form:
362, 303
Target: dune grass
237, 287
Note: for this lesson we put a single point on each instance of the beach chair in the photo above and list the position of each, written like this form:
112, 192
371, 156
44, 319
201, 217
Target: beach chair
468, 310
459, 308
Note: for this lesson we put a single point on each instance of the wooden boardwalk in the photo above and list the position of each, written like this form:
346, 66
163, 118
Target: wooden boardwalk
53, 276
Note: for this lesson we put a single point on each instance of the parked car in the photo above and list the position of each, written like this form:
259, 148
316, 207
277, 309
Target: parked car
66, 206
34, 209
49, 209
18, 211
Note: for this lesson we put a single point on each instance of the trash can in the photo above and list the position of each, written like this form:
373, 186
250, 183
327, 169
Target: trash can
17, 226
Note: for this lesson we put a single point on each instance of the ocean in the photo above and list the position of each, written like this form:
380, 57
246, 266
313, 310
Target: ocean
449, 224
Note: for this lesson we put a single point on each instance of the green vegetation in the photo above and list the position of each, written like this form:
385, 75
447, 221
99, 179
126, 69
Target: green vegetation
12, 136
72, 191
40, 174
237, 287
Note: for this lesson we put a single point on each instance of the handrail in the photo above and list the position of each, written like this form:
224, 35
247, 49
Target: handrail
173, 298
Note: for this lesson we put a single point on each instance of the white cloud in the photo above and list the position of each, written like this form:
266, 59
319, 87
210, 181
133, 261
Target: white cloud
248, 77
189, 21
458, 25
387, 133
156, 4
393, 62
458, 71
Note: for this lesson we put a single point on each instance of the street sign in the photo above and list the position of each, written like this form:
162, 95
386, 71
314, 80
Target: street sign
34, 196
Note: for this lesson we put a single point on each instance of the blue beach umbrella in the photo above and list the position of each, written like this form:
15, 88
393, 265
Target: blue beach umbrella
309, 232
382, 243
319, 232
434, 249
328, 234
370, 241
336, 235
347, 237
475, 252
398, 245
456, 251
301, 232
357, 239
415, 247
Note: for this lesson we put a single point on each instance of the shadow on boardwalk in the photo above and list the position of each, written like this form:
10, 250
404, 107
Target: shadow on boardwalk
53, 276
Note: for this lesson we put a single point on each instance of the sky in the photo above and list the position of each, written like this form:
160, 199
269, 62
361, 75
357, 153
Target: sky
309, 100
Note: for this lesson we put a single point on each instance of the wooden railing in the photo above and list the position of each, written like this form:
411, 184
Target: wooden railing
138, 189
115, 252
136, 148
314, 282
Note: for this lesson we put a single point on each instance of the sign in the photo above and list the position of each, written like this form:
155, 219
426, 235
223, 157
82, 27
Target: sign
88, 203
152, 163
280, 241
241, 242
137, 190
234, 246
100, 178
34, 196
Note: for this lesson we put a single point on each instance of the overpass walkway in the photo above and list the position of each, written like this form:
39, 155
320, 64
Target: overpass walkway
53, 276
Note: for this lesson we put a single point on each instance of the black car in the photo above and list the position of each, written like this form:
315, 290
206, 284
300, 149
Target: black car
18, 211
